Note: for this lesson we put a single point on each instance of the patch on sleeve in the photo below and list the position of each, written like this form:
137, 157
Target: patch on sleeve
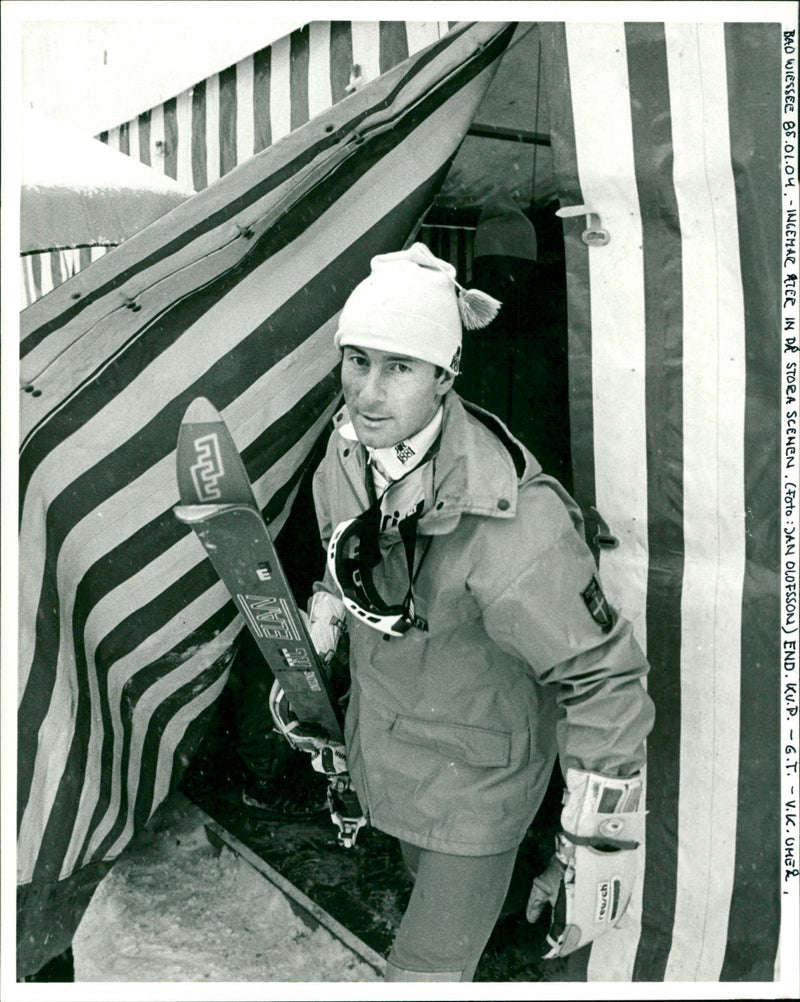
598, 606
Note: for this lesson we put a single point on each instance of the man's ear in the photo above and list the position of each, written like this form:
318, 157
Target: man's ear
444, 382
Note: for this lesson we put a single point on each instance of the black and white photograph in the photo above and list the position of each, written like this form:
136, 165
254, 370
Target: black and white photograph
399, 500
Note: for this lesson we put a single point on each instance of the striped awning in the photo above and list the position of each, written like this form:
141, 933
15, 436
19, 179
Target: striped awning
669, 134
125, 633
43, 271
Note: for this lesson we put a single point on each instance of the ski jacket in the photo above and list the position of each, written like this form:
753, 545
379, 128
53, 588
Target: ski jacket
452, 731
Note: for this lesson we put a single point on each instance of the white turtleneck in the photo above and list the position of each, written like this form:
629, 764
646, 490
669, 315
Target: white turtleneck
393, 462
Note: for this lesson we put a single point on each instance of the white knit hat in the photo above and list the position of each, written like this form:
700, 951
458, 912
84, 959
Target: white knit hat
409, 304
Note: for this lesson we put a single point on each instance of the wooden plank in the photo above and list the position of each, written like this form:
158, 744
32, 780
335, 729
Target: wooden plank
217, 834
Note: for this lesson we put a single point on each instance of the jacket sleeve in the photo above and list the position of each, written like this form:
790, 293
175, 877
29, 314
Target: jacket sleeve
542, 613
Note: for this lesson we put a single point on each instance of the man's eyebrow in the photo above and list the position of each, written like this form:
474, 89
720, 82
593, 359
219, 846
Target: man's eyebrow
389, 358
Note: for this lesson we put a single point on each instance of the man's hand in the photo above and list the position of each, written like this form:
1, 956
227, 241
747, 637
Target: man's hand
325, 621
590, 878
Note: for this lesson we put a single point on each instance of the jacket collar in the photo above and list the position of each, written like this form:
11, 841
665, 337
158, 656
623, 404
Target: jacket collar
476, 469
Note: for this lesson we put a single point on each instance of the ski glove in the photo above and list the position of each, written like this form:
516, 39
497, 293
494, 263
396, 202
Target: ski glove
324, 622
590, 878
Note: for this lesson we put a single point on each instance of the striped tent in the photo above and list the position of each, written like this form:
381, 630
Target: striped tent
202, 133
665, 141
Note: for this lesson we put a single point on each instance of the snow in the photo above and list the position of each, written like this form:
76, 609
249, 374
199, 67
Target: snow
175, 909
85, 164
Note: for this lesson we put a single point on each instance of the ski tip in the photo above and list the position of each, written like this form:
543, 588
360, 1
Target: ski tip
201, 411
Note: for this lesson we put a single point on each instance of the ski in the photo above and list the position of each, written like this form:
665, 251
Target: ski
218, 502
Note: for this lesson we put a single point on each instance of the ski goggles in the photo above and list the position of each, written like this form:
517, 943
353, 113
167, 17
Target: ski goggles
353, 552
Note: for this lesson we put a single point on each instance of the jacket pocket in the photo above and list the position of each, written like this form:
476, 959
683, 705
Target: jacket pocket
476, 746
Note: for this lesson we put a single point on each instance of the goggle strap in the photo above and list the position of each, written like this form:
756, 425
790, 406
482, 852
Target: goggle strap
408, 533
369, 550
369, 546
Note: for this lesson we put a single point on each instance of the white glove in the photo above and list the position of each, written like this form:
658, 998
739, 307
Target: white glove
590, 878
324, 622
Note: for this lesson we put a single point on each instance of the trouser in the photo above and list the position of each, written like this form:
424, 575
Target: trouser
453, 908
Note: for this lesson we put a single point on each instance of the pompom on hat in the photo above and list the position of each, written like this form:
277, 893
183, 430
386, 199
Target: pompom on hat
411, 303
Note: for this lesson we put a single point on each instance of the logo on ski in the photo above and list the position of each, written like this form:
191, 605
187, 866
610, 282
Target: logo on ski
269, 617
217, 501
313, 684
208, 469
300, 658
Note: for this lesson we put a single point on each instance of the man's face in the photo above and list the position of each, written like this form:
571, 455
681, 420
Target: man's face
390, 397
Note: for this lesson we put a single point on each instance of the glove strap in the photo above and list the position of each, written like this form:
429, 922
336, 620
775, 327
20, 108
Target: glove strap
600, 843
607, 811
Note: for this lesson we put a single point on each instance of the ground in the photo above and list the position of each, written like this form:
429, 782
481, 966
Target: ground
174, 908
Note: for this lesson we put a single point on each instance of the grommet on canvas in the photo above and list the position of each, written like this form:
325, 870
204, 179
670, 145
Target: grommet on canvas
594, 235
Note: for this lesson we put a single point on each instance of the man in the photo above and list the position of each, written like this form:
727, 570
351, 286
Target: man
481, 644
